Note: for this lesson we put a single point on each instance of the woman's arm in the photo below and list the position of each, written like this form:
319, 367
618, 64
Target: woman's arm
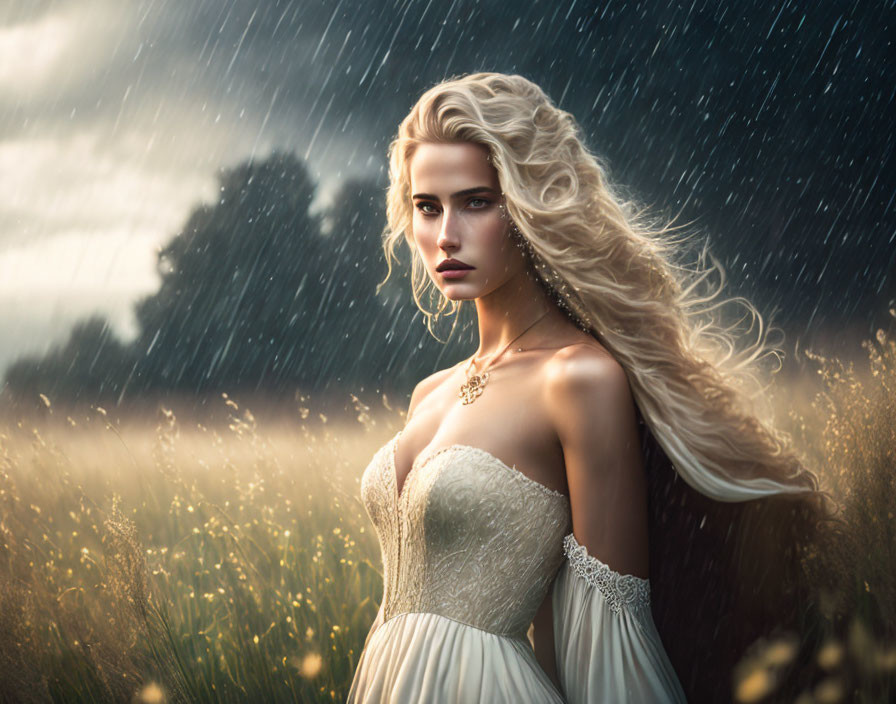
591, 405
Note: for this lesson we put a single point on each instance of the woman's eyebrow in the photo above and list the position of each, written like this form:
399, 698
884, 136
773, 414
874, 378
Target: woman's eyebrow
465, 192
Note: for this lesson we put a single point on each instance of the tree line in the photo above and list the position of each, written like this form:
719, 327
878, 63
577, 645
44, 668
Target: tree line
258, 293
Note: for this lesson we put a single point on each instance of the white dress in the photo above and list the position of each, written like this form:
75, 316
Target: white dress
470, 549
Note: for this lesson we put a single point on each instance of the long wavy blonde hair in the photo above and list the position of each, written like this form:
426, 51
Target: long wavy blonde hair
614, 271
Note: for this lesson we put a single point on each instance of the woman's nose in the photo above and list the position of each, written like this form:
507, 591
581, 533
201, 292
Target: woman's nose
448, 231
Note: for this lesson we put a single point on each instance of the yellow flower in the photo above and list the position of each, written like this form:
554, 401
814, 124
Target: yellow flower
311, 665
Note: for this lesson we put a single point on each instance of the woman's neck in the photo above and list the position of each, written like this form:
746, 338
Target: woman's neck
509, 310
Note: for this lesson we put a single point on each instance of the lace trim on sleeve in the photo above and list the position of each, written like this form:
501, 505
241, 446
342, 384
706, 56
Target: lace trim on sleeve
620, 590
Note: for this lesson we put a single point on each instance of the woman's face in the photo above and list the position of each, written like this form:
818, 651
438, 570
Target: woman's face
458, 210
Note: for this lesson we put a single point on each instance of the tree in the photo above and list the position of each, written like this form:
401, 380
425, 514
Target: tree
238, 291
90, 364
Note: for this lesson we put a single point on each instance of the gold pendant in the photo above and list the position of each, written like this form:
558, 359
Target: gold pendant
473, 387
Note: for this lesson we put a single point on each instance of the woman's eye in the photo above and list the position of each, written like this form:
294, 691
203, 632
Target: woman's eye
476, 203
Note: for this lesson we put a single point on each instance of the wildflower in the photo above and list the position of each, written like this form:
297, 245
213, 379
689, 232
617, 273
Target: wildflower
754, 686
780, 652
151, 693
830, 655
311, 665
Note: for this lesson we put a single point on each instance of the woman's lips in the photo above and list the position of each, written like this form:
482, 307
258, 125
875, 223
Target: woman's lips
455, 273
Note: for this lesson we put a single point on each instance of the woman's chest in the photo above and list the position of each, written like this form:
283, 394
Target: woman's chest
508, 421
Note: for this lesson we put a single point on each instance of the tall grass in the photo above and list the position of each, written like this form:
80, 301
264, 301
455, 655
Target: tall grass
184, 563
180, 561
846, 429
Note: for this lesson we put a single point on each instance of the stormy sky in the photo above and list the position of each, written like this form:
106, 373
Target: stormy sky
769, 123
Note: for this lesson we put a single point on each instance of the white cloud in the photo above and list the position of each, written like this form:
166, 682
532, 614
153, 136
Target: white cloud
117, 263
62, 48
56, 184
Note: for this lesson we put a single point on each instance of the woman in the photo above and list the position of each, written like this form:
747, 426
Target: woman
533, 503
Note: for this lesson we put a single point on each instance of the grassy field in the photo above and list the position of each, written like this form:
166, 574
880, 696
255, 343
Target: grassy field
170, 559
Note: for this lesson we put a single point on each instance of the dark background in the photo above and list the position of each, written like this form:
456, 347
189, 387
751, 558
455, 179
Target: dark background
768, 124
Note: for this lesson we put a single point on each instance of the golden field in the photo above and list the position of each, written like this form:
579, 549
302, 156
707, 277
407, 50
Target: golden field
167, 558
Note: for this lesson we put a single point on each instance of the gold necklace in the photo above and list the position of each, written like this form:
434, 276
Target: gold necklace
471, 389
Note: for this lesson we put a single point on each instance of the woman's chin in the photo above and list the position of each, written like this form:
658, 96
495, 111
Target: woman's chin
459, 293
456, 295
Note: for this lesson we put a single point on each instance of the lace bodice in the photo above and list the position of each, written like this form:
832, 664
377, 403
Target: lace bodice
469, 538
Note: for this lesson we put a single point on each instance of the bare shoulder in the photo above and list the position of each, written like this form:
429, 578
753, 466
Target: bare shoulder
425, 386
584, 373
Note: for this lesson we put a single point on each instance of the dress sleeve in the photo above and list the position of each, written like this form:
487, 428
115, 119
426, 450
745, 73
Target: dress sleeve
606, 644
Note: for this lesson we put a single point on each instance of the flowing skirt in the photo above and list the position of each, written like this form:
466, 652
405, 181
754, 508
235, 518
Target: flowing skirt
425, 657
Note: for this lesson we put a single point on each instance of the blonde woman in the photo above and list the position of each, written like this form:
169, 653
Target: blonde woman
540, 506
